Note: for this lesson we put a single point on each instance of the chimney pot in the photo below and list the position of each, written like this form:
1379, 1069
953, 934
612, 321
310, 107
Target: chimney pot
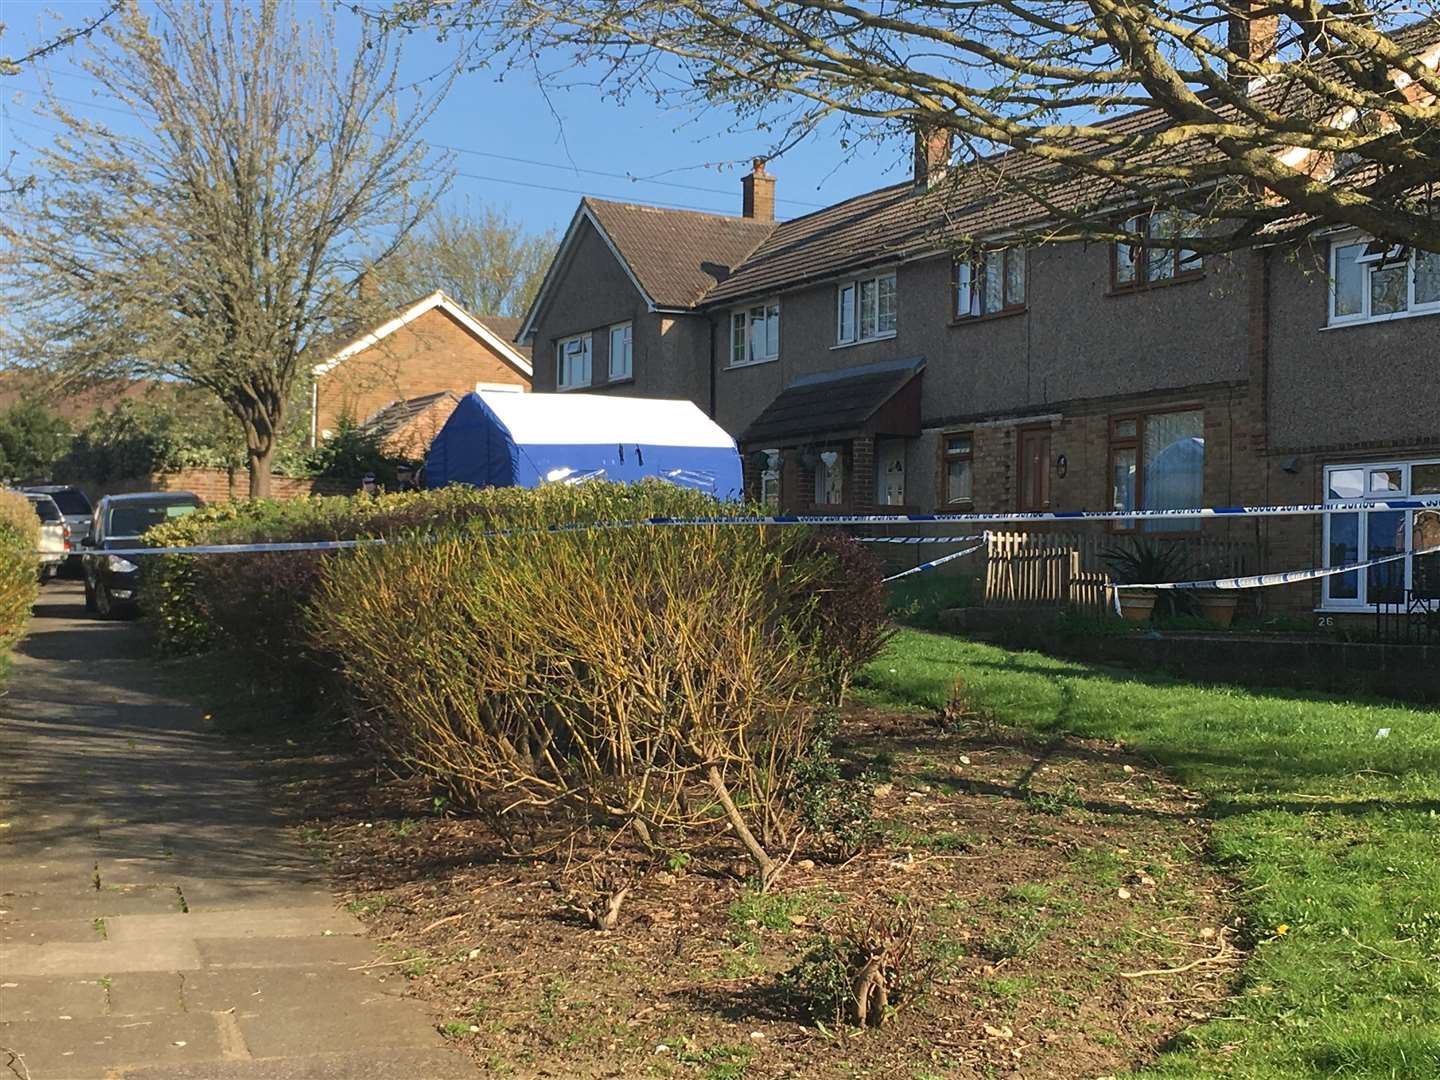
932, 153
758, 193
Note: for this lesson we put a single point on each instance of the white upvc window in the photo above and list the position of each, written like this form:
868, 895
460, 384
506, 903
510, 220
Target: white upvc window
572, 362
865, 309
1371, 281
1366, 534
622, 359
755, 334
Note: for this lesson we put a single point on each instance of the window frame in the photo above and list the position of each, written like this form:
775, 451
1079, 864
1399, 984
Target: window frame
740, 334
628, 326
976, 267
1141, 260
1368, 268
1136, 442
589, 352
1361, 602
855, 286
946, 457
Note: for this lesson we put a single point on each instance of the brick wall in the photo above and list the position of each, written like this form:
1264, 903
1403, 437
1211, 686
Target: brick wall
218, 485
429, 354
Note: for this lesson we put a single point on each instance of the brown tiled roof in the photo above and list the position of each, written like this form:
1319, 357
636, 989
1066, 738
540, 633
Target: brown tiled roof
832, 401
397, 414
506, 327
678, 255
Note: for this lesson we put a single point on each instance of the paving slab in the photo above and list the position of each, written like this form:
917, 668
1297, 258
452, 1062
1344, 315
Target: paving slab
212, 947
405, 1065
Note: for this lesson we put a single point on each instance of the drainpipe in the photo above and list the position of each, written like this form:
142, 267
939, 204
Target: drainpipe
711, 321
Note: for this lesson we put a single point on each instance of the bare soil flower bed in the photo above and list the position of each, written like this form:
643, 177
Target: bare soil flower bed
1067, 919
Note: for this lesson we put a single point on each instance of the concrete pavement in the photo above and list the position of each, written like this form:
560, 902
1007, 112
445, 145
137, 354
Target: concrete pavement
157, 919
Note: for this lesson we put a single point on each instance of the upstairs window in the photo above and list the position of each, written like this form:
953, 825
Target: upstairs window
622, 365
1139, 266
1371, 280
755, 334
572, 362
865, 309
991, 284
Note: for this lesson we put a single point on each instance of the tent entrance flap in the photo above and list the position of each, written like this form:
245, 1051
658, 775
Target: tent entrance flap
525, 440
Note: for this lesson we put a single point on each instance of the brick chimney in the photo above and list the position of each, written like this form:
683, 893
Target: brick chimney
1252, 35
932, 154
758, 190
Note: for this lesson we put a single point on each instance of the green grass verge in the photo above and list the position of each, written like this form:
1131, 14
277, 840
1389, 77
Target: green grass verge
1332, 832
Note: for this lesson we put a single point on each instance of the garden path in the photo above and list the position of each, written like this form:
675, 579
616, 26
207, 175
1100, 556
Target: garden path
158, 921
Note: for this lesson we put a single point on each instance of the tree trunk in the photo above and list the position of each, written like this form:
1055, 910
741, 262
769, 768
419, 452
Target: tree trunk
257, 460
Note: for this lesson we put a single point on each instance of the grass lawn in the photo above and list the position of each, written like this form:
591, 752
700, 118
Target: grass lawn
1326, 811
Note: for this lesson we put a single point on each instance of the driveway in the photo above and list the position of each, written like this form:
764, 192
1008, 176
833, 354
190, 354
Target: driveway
158, 921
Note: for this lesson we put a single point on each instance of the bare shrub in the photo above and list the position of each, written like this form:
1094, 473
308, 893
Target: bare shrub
664, 678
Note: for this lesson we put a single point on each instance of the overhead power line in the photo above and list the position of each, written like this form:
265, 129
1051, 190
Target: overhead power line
629, 177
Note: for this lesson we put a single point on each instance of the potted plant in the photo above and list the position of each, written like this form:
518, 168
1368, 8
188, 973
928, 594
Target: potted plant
1217, 606
1145, 562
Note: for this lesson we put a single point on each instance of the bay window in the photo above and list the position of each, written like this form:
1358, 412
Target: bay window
755, 334
1157, 462
1371, 280
991, 284
1360, 534
572, 362
865, 309
1139, 266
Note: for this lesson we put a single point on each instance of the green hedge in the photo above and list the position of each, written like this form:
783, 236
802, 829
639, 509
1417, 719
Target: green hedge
19, 565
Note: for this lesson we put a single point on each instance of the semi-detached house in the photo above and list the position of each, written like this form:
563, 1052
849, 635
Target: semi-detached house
862, 367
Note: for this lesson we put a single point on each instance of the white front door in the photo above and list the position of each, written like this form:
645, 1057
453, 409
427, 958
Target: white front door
890, 472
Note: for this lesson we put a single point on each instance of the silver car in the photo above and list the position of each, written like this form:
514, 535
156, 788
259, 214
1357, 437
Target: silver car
54, 534
75, 505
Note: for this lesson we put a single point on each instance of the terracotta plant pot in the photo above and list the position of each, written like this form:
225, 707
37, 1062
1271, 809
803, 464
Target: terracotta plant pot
1218, 608
1136, 605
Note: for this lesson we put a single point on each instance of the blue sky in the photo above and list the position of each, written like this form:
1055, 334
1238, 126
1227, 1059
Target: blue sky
556, 136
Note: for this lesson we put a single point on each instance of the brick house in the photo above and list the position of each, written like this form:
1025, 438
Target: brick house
398, 376
862, 366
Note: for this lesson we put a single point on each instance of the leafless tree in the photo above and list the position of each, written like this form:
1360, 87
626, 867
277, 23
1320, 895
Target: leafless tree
214, 240
1254, 116
485, 260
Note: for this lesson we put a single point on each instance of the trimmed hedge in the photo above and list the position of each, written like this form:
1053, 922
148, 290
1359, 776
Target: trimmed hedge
19, 565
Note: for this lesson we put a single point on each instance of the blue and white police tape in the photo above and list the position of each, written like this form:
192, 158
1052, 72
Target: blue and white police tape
240, 549
918, 539
934, 563
1221, 512
1286, 577
1304, 509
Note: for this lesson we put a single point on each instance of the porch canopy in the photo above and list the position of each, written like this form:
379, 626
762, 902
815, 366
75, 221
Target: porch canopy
495, 439
874, 399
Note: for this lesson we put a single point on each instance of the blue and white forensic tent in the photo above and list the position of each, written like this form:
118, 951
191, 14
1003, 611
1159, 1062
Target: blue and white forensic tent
495, 439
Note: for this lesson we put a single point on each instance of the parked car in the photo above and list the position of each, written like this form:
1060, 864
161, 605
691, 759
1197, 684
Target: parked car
54, 534
112, 582
75, 505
